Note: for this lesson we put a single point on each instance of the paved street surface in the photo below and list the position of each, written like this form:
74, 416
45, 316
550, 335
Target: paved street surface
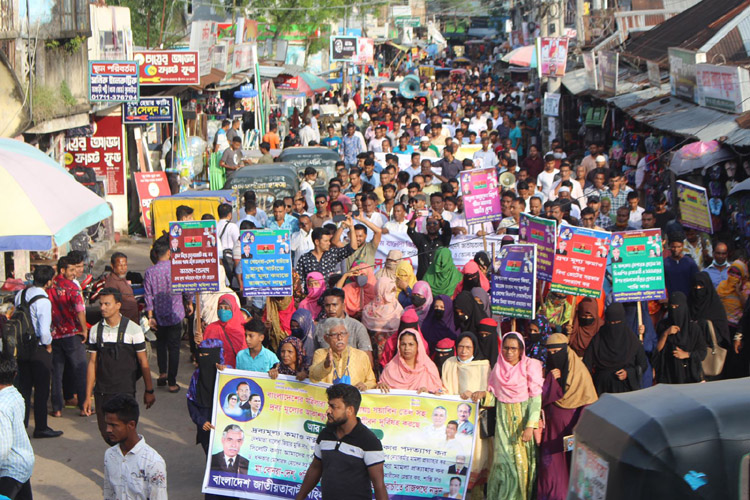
71, 467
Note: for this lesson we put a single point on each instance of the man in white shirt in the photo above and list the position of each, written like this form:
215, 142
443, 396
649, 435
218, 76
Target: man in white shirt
636, 212
399, 224
132, 469
306, 186
306, 133
566, 175
486, 154
227, 230
314, 124
302, 239
546, 179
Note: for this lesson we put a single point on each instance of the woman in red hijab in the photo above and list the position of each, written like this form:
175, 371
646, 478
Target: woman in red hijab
228, 328
473, 277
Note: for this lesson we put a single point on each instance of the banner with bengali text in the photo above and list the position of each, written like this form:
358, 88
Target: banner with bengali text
693, 203
480, 194
637, 266
513, 291
194, 255
542, 233
279, 421
580, 261
266, 263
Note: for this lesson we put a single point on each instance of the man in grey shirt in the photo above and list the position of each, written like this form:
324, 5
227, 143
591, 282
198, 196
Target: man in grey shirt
449, 166
232, 159
333, 305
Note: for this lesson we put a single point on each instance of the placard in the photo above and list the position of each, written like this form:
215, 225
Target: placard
279, 421
113, 81
365, 50
202, 39
553, 56
195, 256
542, 233
150, 185
480, 195
266, 263
551, 104
588, 476
589, 64
149, 110
513, 285
580, 261
168, 67
693, 203
103, 152
637, 266
343, 49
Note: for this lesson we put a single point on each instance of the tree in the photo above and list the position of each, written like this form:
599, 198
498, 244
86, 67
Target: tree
154, 22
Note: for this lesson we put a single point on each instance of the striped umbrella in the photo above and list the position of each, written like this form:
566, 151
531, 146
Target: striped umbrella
522, 56
42, 204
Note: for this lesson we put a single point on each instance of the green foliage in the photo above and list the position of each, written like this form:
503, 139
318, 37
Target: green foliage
49, 102
67, 95
145, 21
69, 45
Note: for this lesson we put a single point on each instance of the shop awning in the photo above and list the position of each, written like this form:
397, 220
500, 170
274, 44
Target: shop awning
270, 72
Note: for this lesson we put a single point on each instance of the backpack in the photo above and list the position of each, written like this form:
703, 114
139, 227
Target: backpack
18, 336
227, 258
120, 341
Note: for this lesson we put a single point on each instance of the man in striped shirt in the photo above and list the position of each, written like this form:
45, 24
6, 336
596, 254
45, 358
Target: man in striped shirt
16, 455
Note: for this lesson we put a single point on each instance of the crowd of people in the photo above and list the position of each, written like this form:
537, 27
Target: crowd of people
392, 326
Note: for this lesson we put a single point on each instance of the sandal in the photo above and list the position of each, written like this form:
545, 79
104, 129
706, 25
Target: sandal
56, 414
174, 389
161, 382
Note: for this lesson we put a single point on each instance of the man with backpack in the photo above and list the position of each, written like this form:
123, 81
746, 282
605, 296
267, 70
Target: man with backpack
117, 359
30, 328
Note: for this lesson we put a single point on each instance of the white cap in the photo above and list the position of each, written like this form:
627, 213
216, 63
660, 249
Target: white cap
424, 139
600, 159
564, 189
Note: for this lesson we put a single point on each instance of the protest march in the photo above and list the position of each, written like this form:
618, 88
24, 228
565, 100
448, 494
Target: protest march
430, 314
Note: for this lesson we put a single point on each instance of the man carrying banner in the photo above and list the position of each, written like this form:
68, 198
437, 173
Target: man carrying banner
348, 457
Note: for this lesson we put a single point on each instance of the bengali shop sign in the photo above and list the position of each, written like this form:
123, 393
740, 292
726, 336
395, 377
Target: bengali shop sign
266, 263
202, 38
542, 233
279, 421
344, 49
637, 266
113, 81
513, 291
150, 185
168, 67
580, 261
726, 88
481, 198
553, 56
103, 152
693, 203
195, 256
149, 110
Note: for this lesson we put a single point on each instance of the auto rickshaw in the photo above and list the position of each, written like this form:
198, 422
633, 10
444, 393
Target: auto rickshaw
163, 208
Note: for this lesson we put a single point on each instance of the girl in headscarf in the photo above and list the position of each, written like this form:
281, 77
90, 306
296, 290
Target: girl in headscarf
316, 285
567, 390
292, 360
405, 280
473, 277
421, 299
409, 320
483, 299
483, 260
536, 343
228, 328
586, 324
411, 369
382, 316
442, 275
489, 340
615, 356
464, 374
682, 345
278, 313
557, 310
438, 323
733, 293
391, 263
210, 302
515, 389
231, 406
303, 328
359, 289
467, 313
705, 305
200, 394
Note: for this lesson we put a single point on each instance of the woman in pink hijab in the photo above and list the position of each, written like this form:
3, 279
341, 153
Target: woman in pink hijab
382, 316
515, 389
316, 285
412, 369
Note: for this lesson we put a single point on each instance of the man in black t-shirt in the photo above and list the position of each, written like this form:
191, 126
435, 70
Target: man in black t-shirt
348, 456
